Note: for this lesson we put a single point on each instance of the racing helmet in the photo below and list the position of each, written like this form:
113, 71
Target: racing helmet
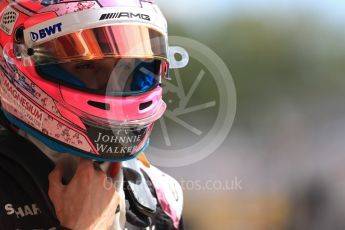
84, 77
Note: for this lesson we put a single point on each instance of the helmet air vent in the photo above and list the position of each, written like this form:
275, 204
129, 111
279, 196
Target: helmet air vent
99, 105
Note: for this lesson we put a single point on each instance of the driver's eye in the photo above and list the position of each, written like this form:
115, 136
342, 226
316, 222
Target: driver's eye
84, 66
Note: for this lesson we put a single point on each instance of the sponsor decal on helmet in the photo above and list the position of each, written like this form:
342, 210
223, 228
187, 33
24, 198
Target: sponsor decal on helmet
17, 104
120, 142
125, 15
8, 20
33, 115
21, 80
46, 32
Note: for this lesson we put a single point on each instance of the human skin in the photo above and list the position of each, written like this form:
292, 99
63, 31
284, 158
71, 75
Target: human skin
86, 202
109, 73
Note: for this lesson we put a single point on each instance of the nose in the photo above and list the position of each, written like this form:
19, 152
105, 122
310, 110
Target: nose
104, 69
121, 76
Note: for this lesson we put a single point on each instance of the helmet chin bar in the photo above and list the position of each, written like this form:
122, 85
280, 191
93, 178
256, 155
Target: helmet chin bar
173, 62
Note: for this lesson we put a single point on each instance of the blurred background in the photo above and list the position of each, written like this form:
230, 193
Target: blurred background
282, 165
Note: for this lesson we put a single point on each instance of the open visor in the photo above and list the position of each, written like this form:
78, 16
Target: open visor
113, 59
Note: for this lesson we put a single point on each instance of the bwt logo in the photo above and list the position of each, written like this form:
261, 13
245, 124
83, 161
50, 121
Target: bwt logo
48, 31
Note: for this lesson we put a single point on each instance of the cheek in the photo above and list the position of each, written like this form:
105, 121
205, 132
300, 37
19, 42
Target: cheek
88, 78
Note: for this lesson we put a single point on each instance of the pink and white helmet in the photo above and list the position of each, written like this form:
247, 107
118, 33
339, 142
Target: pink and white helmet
84, 76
